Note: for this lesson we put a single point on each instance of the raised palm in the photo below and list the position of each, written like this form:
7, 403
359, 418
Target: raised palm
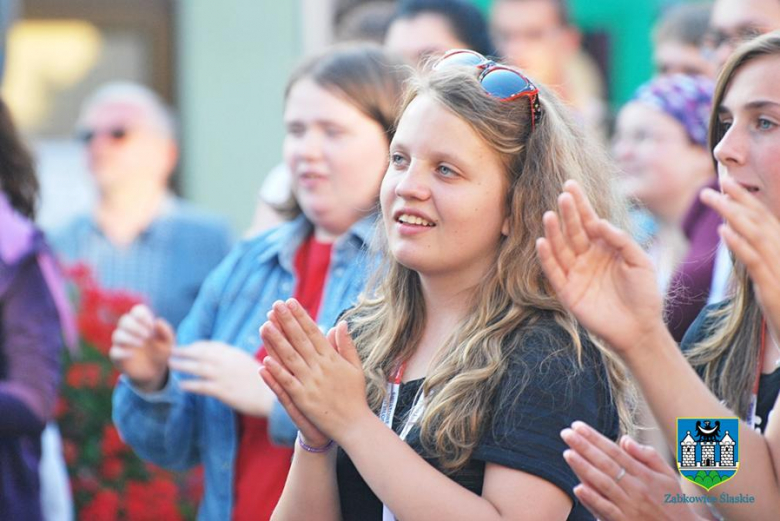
599, 273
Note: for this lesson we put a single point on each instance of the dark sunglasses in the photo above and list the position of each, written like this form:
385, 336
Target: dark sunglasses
116, 134
499, 81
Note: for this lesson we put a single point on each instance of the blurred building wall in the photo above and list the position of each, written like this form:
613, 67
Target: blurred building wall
234, 57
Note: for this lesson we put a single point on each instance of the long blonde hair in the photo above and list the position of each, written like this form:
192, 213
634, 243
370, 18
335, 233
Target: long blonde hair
728, 357
388, 322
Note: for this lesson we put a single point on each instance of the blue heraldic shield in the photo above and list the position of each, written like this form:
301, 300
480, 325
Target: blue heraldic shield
708, 450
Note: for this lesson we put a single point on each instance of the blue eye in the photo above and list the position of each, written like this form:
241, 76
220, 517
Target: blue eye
397, 159
446, 171
765, 124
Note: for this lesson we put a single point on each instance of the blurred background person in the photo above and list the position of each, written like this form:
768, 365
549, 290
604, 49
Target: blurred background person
416, 30
366, 22
736, 21
423, 29
678, 41
660, 145
140, 237
538, 37
340, 110
34, 321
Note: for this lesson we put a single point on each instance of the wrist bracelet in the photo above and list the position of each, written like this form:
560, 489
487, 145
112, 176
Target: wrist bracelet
314, 450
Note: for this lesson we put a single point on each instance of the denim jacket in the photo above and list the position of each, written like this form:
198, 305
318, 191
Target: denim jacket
175, 429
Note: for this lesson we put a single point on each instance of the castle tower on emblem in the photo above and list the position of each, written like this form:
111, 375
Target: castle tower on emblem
688, 451
727, 451
707, 454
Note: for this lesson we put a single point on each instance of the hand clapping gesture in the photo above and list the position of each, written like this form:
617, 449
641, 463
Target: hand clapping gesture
622, 482
223, 372
599, 273
752, 233
140, 347
318, 380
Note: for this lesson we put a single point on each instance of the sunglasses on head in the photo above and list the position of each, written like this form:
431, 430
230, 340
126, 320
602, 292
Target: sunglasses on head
499, 81
86, 136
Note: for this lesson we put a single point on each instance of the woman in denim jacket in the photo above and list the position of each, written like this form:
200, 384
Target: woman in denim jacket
199, 399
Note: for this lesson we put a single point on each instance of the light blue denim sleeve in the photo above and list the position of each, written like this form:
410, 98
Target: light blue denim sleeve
163, 427
159, 426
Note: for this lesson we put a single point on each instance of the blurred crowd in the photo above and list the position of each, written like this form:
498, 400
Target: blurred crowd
463, 242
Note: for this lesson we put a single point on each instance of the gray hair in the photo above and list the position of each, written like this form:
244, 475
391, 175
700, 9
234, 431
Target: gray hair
156, 112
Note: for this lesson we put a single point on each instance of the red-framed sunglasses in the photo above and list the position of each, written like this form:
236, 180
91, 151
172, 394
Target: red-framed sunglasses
499, 81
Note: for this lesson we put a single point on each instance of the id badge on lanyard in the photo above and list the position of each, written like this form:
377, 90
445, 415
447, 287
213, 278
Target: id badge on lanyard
387, 413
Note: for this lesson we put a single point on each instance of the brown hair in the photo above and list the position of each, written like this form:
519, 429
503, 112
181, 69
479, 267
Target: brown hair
728, 357
17, 170
388, 322
365, 75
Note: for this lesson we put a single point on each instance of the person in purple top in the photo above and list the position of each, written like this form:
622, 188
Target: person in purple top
33, 318
661, 147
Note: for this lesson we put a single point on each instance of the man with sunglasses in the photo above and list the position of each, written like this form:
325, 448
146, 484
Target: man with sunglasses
139, 237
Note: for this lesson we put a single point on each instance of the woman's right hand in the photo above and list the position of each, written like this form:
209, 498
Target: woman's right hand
599, 273
141, 347
752, 233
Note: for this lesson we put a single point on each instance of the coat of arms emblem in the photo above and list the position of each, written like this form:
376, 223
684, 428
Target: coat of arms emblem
708, 450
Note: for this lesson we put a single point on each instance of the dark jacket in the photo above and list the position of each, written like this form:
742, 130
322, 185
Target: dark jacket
30, 346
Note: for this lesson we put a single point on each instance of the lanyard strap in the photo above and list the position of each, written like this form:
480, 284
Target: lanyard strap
751, 418
387, 413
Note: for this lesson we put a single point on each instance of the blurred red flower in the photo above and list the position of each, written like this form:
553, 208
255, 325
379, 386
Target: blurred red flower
109, 481
103, 507
83, 375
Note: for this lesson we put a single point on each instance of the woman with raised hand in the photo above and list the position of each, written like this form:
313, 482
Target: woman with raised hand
730, 361
201, 402
660, 146
446, 386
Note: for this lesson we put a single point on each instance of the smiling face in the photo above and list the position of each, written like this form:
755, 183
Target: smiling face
336, 155
661, 167
748, 152
443, 196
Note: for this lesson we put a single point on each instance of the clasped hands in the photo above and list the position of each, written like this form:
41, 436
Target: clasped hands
318, 379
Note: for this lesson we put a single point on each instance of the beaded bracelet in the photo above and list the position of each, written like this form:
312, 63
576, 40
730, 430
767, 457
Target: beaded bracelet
314, 450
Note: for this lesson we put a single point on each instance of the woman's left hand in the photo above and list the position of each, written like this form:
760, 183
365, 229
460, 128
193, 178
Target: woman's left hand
622, 482
225, 373
752, 233
325, 382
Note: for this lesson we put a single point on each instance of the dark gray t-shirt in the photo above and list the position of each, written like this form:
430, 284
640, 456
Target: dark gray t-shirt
523, 427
